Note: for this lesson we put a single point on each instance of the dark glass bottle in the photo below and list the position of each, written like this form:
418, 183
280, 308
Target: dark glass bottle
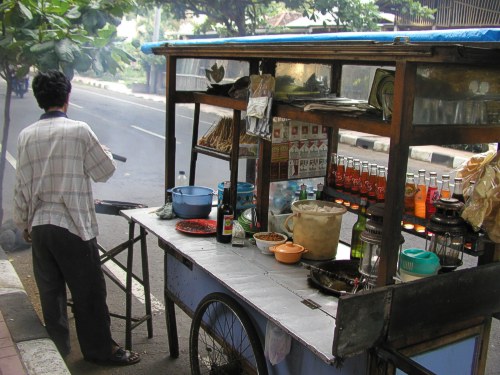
458, 190
359, 226
225, 216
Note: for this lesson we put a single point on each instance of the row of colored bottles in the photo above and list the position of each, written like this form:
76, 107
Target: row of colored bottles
420, 198
358, 178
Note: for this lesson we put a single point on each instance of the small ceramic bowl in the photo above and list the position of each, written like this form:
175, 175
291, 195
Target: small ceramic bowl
288, 252
264, 242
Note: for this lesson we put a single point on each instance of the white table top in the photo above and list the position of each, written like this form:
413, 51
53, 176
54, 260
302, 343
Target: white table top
275, 290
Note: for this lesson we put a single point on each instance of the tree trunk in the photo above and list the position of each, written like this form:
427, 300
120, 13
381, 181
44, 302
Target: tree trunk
5, 137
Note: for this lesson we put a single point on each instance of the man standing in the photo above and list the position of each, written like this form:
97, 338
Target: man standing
53, 205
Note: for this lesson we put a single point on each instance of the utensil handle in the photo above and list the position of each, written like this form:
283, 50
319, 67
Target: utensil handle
119, 158
285, 224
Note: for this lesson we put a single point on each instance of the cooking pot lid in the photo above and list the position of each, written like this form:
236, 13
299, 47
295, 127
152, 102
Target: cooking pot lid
288, 247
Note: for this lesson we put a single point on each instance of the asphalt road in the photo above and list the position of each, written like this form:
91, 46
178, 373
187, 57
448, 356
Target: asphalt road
134, 128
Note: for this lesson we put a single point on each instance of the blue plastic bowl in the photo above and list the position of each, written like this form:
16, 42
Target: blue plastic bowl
419, 262
192, 202
244, 195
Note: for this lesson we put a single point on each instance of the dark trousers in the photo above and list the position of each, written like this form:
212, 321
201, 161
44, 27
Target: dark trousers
61, 258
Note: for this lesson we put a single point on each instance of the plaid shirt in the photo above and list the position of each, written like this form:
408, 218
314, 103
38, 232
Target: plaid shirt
57, 158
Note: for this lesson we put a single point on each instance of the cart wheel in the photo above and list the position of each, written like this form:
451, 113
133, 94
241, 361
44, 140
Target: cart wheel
223, 340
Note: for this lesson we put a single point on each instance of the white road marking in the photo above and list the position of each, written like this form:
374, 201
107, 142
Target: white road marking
11, 159
151, 133
137, 104
148, 132
137, 289
75, 105
125, 101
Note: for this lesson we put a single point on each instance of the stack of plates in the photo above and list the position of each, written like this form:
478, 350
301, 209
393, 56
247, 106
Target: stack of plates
245, 220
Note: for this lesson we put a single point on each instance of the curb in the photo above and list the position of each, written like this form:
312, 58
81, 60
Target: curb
430, 154
36, 351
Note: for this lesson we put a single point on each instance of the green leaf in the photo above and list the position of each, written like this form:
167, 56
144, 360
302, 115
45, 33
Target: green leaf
80, 38
68, 70
65, 50
123, 55
48, 61
25, 11
31, 34
107, 33
83, 63
73, 13
43, 47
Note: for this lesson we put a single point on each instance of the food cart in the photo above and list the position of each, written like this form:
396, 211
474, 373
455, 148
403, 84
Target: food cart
416, 327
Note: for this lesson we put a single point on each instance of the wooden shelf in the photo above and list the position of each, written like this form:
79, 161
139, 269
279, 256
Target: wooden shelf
220, 101
212, 152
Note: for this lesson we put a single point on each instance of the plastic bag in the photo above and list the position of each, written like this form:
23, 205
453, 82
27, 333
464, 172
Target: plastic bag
278, 344
259, 105
471, 170
482, 209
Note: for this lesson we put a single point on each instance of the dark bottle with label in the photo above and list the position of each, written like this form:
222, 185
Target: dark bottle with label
359, 226
458, 190
225, 216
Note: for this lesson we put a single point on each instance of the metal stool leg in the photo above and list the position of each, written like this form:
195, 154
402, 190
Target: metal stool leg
128, 289
110, 255
145, 280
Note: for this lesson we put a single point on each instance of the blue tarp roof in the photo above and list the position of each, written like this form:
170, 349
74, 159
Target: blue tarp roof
446, 36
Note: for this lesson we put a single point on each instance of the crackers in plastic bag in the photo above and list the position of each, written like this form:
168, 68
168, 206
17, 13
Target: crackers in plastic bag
483, 206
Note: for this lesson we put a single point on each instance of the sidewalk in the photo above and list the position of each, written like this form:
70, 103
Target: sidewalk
432, 154
25, 346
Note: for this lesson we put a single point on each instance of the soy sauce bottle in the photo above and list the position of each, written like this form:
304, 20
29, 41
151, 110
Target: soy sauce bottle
225, 216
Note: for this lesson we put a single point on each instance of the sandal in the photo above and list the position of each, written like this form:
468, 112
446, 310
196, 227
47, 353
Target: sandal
120, 357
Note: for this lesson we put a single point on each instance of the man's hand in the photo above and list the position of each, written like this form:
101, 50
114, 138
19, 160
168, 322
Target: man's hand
27, 236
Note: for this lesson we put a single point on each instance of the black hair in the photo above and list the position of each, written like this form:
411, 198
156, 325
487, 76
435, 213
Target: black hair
51, 89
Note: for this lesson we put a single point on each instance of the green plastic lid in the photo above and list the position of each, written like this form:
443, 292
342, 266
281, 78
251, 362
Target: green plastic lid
419, 261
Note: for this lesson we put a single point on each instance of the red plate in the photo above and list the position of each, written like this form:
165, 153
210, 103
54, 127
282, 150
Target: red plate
197, 226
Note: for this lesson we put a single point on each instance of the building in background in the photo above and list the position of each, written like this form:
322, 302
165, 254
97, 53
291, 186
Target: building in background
450, 14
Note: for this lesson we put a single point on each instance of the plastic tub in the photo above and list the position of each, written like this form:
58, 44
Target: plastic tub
316, 226
192, 202
419, 262
244, 195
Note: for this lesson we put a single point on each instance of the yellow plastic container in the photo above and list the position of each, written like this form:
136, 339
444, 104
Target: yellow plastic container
316, 226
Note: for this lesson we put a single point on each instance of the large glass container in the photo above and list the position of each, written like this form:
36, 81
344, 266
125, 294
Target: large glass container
371, 239
446, 232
